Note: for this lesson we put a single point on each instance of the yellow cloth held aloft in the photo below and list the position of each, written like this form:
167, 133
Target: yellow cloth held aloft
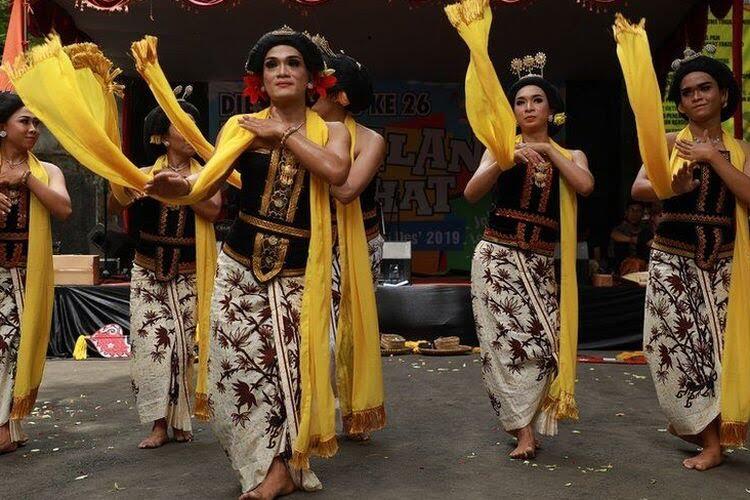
645, 99
358, 334
82, 120
490, 114
147, 64
493, 122
37, 307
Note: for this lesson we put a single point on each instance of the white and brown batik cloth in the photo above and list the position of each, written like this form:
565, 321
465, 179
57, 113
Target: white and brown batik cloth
516, 312
254, 370
162, 333
11, 307
686, 309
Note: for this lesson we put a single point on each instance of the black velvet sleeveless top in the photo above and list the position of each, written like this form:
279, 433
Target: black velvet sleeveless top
14, 230
166, 238
699, 224
271, 234
525, 212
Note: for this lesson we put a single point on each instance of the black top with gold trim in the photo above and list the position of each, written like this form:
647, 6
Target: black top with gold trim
14, 229
526, 209
166, 238
271, 234
699, 224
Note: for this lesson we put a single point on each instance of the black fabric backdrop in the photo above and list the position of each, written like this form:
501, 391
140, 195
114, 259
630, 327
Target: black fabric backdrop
609, 318
82, 310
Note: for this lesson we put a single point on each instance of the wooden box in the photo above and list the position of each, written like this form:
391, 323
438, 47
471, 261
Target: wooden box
76, 269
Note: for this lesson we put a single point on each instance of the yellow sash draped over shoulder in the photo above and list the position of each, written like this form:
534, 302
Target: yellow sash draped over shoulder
645, 98
36, 318
492, 121
358, 334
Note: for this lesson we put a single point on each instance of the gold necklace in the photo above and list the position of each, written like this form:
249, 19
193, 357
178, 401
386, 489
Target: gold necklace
178, 167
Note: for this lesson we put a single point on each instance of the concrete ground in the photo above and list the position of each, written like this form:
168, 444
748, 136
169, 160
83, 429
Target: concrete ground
441, 442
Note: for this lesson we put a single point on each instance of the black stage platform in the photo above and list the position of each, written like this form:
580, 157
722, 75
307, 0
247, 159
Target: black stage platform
609, 318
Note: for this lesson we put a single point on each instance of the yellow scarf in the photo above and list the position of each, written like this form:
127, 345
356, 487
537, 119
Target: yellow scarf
81, 118
645, 99
358, 334
492, 121
147, 64
37, 308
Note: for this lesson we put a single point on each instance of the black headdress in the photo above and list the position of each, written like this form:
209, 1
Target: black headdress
695, 61
157, 123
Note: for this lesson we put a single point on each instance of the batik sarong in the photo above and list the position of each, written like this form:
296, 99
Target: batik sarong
11, 307
516, 312
162, 334
254, 371
686, 309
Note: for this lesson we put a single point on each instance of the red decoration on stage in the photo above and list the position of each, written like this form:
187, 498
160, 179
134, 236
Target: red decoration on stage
110, 342
105, 5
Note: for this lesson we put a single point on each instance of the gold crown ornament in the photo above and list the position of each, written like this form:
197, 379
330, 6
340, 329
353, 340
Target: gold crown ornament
709, 50
529, 65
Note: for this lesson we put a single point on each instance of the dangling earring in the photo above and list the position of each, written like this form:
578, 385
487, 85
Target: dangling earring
262, 90
309, 85
724, 105
3, 133
550, 118
166, 143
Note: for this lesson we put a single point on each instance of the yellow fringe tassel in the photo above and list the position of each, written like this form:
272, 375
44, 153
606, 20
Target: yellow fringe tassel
323, 449
24, 62
144, 52
466, 12
202, 407
88, 55
733, 434
360, 422
622, 25
22, 405
80, 352
562, 408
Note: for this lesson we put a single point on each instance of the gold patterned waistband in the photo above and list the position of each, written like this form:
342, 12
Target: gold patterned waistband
274, 227
13, 237
150, 264
538, 219
688, 250
167, 240
539, 247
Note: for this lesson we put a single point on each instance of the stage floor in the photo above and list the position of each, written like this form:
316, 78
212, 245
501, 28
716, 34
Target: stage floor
441, 442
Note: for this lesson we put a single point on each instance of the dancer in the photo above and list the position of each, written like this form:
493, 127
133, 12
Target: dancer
30, 191
272, 300
163, 290
696, 333
527, 336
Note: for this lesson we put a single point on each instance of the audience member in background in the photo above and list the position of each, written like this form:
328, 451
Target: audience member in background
629, 241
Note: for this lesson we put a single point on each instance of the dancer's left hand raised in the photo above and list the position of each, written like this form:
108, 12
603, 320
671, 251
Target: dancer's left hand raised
269, 129
701, 151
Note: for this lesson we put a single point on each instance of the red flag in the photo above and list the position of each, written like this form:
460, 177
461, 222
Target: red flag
13, 40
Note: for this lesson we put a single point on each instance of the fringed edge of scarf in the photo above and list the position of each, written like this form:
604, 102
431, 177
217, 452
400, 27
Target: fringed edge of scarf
363, 421
622, 25
88, 55
203, 409
22, 405
563, 407
733, 433
144, 52
26, 61
323, 449
466, 12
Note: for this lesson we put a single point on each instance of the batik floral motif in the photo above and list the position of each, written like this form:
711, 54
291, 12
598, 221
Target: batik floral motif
163, 321
514, 298
684, 323
10, 338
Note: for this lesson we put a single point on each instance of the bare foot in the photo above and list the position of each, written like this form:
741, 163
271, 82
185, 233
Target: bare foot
278, 483
527, 444
360, 437
182, 436
537, 441
6, 445
690, 438
157, 438
706, 459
